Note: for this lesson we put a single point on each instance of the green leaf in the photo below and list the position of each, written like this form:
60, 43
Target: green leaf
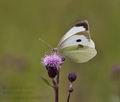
46, 81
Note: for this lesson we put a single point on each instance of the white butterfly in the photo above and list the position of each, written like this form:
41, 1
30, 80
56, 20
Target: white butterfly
77, 44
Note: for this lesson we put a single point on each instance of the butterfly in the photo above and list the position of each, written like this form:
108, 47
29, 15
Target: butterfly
77, 44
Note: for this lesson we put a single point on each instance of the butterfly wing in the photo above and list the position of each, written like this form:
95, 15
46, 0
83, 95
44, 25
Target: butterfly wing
80, 55
77, 28
77, 44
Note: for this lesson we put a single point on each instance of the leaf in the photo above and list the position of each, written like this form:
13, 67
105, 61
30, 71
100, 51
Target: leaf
46, 81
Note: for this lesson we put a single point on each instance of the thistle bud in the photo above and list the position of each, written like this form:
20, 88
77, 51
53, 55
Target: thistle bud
72, 77
52, 72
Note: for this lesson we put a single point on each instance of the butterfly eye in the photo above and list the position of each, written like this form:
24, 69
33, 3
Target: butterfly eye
78, 40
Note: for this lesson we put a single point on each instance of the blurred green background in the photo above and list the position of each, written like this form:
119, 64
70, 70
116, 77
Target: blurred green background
23, 22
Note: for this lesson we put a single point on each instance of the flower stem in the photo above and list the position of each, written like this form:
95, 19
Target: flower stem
68, 99
56, 87
57, 90
56, 95
69, 92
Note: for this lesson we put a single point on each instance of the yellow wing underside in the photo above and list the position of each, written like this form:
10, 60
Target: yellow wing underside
81, 55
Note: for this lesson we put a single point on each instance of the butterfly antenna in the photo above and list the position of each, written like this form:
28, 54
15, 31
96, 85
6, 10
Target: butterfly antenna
43, 41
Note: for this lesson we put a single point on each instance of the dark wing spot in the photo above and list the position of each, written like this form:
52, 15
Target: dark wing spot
83, 23
78, 40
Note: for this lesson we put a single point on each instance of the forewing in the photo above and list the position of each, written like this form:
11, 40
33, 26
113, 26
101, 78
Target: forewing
76, 29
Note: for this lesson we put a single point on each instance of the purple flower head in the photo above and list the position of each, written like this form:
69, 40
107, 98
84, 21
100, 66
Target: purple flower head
52, 60
72, 77
116, 72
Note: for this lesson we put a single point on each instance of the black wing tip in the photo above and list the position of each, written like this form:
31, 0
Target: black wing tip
83, 23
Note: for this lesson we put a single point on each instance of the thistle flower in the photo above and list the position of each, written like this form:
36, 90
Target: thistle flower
52, 60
